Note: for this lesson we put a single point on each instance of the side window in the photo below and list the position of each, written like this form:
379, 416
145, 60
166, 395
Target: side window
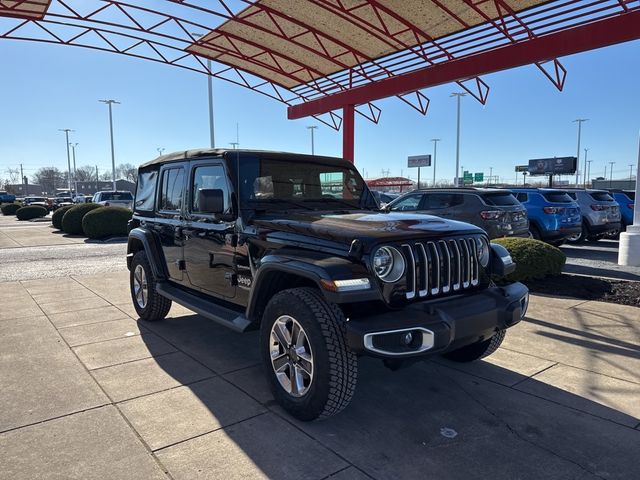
407, 204
439, 201
522, 197
209, 177
171, 190
145, 190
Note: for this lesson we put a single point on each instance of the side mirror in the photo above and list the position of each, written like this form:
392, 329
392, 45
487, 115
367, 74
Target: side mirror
501, 262
211, 200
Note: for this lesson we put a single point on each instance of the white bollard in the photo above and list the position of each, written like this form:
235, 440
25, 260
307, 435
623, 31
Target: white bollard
629, 249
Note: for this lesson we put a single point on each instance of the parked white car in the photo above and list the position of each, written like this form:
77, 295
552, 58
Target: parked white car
114, 199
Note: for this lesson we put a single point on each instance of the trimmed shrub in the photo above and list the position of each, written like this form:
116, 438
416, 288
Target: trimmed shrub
10, 208
56, 218
72, 218
106, 222
534, 259
31, 211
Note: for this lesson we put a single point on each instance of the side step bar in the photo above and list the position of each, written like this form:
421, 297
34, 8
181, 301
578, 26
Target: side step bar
224, 316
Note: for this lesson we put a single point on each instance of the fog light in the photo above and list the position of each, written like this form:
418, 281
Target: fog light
407, 338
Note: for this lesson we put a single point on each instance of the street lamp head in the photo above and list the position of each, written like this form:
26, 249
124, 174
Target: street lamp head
458, 94
580, 120
109, 101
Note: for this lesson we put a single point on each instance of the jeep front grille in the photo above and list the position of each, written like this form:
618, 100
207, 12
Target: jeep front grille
440, 267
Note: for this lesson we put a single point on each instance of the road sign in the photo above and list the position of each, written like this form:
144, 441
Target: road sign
553, 166
419, 161
522, 168
467, 175
478, 177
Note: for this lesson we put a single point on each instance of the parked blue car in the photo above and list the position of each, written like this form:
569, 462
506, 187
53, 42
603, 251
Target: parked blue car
553, 215
7, 197
626, 199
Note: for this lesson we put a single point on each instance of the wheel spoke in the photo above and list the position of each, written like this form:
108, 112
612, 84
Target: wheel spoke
306, 363
279, 362
297, 383
282, 333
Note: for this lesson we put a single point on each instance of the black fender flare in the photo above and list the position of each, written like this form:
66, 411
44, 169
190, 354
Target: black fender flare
151, 245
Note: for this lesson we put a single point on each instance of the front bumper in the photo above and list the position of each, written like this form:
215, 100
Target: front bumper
438, 326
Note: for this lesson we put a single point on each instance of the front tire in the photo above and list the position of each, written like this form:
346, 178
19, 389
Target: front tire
149, 304
477, 350
310, 368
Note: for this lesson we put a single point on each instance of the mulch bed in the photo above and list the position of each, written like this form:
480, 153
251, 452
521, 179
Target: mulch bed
589, 288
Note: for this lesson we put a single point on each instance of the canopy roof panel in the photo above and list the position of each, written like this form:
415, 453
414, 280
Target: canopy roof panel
307, 40
31, 9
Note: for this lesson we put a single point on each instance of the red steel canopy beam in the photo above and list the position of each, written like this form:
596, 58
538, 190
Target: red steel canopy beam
601, 33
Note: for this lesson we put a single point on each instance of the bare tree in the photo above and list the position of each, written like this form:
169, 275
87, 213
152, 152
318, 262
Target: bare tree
13, 175
86, 174
50, 178
127, 171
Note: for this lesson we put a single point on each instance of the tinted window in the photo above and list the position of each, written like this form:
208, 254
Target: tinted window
601, 197
572, 195
436, 201
557, 197
145, 190
500, 199
631, 195
522, 197
115, 196
407, 204
171, 190
209, 177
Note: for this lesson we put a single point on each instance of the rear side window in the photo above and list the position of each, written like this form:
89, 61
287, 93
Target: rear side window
631, 195
145, 190
522, 197
601, 197
572, 195
172, 189
500, 199
557, 197
438, 201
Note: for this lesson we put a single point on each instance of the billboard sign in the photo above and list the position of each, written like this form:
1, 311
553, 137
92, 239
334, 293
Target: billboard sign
553, 166
419, 161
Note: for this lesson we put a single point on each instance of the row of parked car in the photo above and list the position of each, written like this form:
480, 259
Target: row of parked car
106, 198
552, 215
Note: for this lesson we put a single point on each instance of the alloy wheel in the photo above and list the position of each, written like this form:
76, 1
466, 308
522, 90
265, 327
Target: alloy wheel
140, 286
291, 356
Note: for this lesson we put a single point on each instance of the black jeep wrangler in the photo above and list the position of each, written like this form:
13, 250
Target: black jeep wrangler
295, 245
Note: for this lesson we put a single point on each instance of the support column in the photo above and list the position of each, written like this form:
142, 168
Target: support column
348, 132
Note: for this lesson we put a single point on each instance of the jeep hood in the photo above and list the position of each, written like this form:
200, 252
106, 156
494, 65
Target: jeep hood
369, 227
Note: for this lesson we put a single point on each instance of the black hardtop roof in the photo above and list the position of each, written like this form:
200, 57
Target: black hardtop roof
221, 152
541, 189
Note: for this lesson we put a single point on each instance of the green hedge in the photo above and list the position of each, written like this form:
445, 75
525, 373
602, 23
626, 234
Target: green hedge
72, 218
31, 211
56, 218
10, 208
106, 222
534, 259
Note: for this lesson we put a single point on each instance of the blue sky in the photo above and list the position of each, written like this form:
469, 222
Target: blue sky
48, 87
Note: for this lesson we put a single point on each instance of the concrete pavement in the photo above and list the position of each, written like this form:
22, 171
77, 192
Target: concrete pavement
89, 392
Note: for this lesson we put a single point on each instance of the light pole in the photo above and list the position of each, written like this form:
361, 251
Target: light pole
66, 132
435, 150
588, 180
311, 128
585, 174
212, 136
631, 171
160, 150
113, 155
579, 121
458, 96
490, 174
75, 172
611, 173
234, 145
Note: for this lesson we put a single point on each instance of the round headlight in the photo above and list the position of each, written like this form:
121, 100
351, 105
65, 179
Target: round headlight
482, 250
388, 264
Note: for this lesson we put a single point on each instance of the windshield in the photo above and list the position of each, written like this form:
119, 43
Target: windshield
309, 185
557, 197
500, 199
114, 196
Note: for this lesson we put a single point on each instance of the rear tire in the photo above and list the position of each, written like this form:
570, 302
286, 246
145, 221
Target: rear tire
535, 232
557, 243
303, 340
477, 350
149, 304
579, 238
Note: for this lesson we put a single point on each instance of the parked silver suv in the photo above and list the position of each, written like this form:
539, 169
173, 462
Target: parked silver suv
600, 214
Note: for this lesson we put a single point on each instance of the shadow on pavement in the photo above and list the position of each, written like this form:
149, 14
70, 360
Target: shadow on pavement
451, 420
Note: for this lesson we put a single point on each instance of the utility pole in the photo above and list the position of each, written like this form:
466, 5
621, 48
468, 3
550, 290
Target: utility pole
113, 155
630, 171
22, 179
66, 133
160, 150
234, 145
588, 180
75, 173
311, 128
458, 96
435, 149
490, 174
212, 139
584, 175
97, 179
611, 173
579, 121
